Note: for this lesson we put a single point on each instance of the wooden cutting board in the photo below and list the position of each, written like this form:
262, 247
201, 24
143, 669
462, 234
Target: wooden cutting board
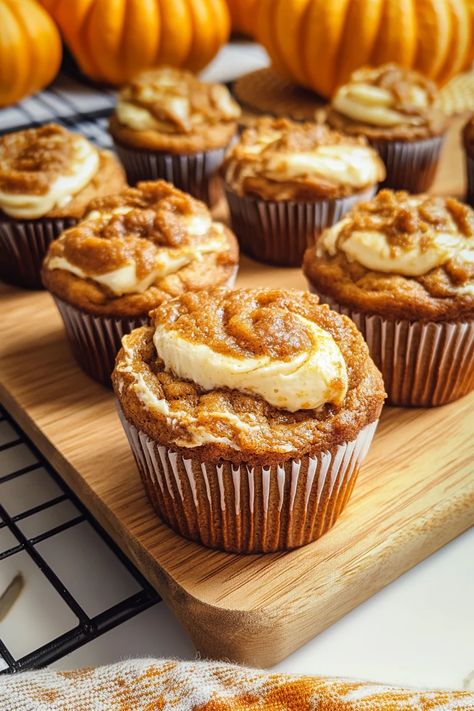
415, 493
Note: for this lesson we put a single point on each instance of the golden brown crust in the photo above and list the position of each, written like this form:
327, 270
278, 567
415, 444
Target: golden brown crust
272, 434
400, 82
109, 179
253, 173
438, 295
151, 218
31, 160
205, 139
170, 110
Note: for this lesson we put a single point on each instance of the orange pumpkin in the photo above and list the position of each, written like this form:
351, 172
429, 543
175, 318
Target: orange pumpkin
318, 43
30, 49
112, 40
242, 13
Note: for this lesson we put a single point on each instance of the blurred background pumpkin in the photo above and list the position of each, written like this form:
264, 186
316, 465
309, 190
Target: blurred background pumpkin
318, 43
112, 40
243, 15
30, 49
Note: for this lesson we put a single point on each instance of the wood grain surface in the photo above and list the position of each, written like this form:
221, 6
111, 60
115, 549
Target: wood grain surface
415, 493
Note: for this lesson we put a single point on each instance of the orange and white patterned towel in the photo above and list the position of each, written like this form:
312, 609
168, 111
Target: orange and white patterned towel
159, 685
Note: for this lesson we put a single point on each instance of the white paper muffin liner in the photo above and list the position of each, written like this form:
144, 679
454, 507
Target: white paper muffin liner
470, 180
411, 165
194, 173
423, 363
23, 246
279, 232
95, 340
245, 509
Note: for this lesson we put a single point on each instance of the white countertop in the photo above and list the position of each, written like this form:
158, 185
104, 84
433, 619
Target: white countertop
418, 631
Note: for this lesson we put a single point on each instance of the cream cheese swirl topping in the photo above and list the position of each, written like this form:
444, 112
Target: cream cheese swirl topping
288, 360
281, 151
408, 236
129, 242
385, 97
173, 101
40, 189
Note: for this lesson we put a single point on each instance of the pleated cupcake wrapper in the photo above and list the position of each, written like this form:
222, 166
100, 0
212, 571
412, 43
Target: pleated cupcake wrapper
95, 340
194, 173
470, 180
423, 364
243, 509
411, 165
279, 232
23, 246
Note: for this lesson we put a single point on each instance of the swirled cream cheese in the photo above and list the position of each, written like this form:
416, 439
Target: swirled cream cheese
83, 167
163, 100
168, 260
374, 251
307, 380
385, 96
340, 164
282, 151
198, 433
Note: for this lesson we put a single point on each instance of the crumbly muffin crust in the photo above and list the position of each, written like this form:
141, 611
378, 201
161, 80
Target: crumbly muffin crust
139, 227
279, 159
411, 95
244, 427
171, 110
31, 161
445, 292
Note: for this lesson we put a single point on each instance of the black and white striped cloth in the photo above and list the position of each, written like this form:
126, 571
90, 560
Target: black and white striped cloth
69, 102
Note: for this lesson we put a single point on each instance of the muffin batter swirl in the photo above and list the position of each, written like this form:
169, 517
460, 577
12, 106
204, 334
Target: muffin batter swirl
256, 342
139, 238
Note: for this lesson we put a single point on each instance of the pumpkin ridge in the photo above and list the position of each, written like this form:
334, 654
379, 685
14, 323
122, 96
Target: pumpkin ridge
88, 66
397, 41
23, 57
170, 51
434, 28
30, 51
458, 53
325, 33
352, 47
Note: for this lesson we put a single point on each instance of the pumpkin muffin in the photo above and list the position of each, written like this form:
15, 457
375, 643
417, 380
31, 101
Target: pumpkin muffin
131, 252
48, 175
249, 413
286, 181
402, 267
395, 109
168, 124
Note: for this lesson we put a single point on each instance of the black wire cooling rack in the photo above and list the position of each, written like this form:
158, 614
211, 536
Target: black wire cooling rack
88, 628
85, 109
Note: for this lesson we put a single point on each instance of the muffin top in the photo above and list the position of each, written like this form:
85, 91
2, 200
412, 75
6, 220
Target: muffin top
388, 102
49, 171
254, 375
136, 249
170, 109
279, 159
401, 256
